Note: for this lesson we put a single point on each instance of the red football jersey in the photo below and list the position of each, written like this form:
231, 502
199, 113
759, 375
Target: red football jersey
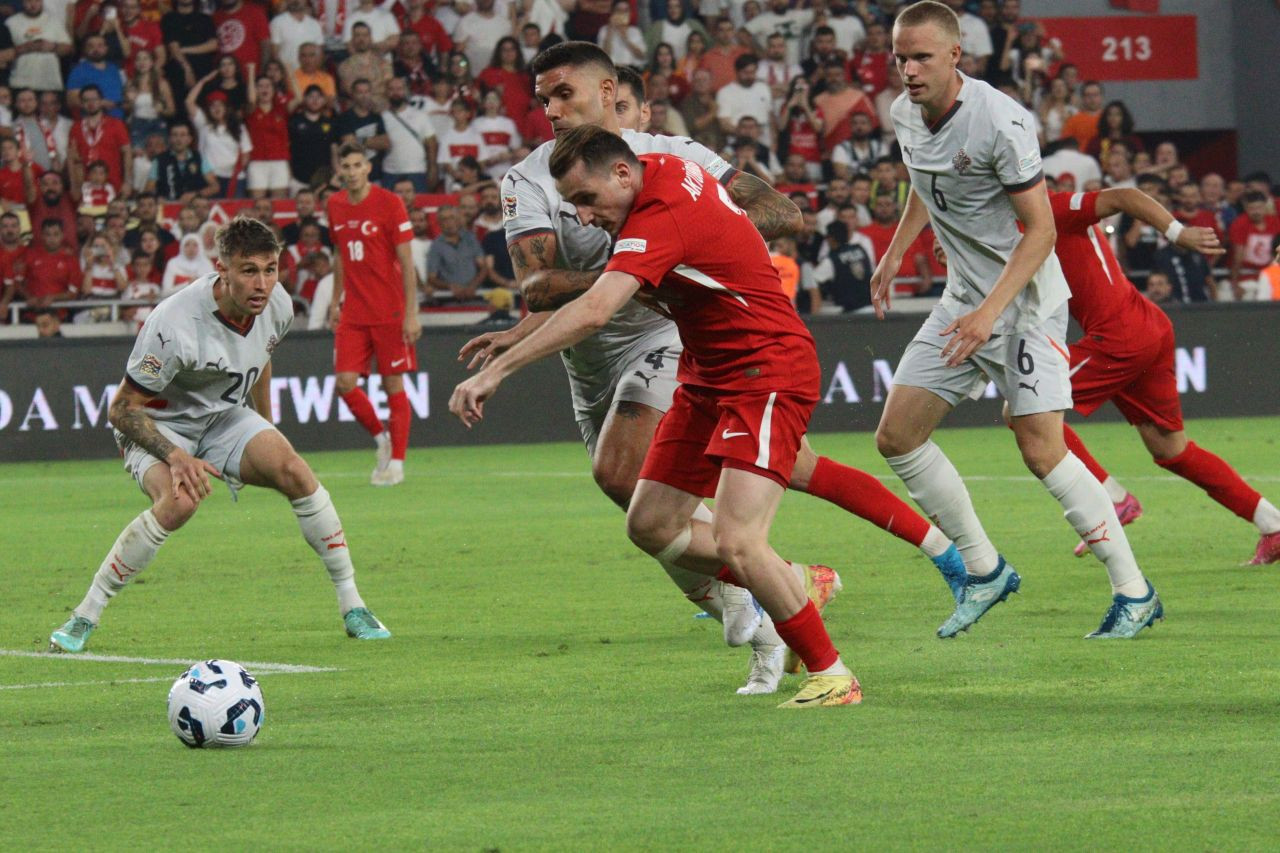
105, 142
51, 273
268, 132
13, 265
241, 33
365, 236
1256, 240
1102, 297
711, 270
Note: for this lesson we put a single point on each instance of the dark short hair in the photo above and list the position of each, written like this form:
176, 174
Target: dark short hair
349, 148
90, 87
745, 60
1253, 197
823, 30
629, 77
594, 146
50, 223
838, 231
361, 24
1257, 177
575, 54
245, 236
9, 215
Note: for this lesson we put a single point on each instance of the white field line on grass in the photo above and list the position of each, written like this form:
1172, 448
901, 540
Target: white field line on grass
256, 667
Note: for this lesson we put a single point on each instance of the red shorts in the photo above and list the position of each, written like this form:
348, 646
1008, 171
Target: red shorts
354, 346
1142, 384
705, 431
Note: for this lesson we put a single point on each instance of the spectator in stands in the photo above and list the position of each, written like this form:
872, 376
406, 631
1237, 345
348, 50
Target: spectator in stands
291, 29
586, 19
384, 29
132, 34
501, 138
106, 274
53, 274
1213, 193
48, 323
96, 192
148, 99
38, 137
489, 218
1067, 159
800, 128
455, 261
869, 67
96, 70
192, 46
309, 241
412, 152
458, 70
433, 35
1115, 125
849, 28
837, 103
719, 59
1119, 167
530, 40
180, 173
695, 50
149, 245
305, 207
1187, 272
663, 79
267, 124
311, 73
674, 30
861, 151
53, 202
146, 213
144, 285
420, 245
1251, 235
975, 37
437, 105
313, 139
498, 271
837, 195
230, 81
1189, 209
844, 275
885, 181
365, 63
461, 140
775, 72
13, 267
822, 50
745, 96
188, 265
1084, 124
18, 174
1159, 290
243, 32
414, 64
223, 141
792, 23
1136, 241
363, 123
623, 42
143, 157
665, 120
98, 136
507, 76
762, 158
884, 220
479, 30
1260, 182
700, 112
1054, 110
40, 43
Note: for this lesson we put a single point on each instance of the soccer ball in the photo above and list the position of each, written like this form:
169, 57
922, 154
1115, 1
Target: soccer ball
215, 703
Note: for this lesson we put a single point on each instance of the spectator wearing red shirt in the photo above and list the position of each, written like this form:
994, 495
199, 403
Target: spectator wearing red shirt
53, 273
243, 32
268, 125
870, 66
1189, 209
98, 136
419, 19
18, 175
52, 202
13, 267
413, 64
884, 221
138, 32
507, 76
1250, 237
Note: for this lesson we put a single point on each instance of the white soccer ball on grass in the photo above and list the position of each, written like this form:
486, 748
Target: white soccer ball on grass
215, 703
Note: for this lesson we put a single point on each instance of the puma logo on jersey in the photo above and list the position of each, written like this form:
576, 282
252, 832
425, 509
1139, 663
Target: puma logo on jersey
647, 379
1018, 122
1031, 388
162, 340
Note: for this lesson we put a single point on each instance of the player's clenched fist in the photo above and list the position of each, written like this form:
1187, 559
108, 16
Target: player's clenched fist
467, 402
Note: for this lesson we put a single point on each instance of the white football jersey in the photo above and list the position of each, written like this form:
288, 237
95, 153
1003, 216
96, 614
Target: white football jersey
195, 362
963, 168
531, 204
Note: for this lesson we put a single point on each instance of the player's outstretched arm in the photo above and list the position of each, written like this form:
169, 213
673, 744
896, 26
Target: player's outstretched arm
412, 326
1146, 209
773, 214
579, 319
914, 217
483, 348
129, 415
970, 331
544, 287
335, 299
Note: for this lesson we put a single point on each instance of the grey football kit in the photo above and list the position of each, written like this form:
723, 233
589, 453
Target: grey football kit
634, 356
963, 169
200, 370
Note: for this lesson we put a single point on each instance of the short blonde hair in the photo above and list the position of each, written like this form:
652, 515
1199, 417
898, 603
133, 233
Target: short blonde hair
931, 12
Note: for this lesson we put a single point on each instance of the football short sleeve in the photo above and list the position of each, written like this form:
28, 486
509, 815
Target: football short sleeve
1016, 154
525, 207
649, 245
707, 159
1074, 212
397, 221
157, 355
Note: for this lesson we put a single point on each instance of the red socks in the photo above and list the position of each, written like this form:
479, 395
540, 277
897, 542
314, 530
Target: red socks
399, 404
725, 575
1076, 446
866, 497
805, 635
358, 402
1216, 477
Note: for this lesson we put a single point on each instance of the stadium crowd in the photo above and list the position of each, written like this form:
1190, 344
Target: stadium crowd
125, 121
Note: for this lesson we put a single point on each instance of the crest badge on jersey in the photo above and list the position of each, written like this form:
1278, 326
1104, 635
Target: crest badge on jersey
271, 344
150, 366
508, 208
962, 162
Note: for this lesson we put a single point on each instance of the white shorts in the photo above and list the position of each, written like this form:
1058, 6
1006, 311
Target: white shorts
1031, 369
221, 443
647, 377
268, 175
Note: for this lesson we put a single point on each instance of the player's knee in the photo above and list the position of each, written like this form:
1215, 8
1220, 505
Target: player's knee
295, 479
736, 547
174, 510
650, 531
1040, 453
345, 384
616, 481
892, 440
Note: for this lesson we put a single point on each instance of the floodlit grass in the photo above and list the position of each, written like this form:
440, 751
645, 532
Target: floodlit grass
548, 688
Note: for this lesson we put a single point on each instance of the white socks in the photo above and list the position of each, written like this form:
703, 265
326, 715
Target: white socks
702, 590
935, 542
134, 550
1115, 491
323, 532
934, 484
1266, 517
1091, 512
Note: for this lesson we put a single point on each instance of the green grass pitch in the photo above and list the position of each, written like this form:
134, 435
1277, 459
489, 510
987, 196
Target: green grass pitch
547, 687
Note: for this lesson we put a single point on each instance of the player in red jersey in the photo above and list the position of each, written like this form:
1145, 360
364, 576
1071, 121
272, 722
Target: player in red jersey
373, 263
749, 380
1126, 356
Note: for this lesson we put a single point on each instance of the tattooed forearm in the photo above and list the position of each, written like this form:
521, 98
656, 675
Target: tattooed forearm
518, 259
547, 290
135, 425
773, 214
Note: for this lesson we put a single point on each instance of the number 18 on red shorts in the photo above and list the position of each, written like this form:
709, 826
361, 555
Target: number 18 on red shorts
706, 430
354, 346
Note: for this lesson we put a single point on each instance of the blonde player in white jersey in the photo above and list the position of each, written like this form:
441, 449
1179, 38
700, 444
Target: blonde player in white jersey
975, 172
195, 402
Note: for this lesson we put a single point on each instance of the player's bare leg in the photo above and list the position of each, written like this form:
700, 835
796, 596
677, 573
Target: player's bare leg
270, 461
1172, 451
660, 522
132, 552
391, 471
624, 441
863, 495
348, 388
